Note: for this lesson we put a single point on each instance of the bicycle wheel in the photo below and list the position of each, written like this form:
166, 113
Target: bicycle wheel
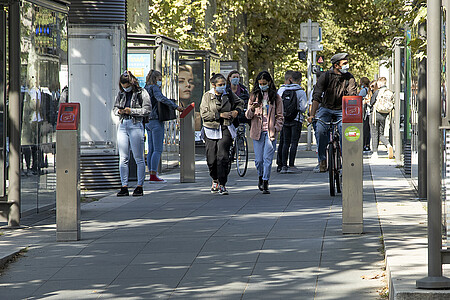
338, 172
331, 169
231, 157
241, 155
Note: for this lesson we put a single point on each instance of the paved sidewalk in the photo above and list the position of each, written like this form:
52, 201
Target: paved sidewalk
181, 242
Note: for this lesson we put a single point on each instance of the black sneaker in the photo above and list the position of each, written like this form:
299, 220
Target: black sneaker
279, 169
223, 190
138, 191
123, 192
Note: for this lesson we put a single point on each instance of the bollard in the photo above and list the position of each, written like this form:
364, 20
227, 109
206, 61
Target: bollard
68, 173
352, 165
187, 145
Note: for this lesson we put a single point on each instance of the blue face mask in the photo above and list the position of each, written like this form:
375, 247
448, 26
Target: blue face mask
159, 83
220, 89
345, 69
264, 87
234, 81
128, 89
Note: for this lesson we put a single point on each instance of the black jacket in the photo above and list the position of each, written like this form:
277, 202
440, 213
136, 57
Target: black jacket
333, 87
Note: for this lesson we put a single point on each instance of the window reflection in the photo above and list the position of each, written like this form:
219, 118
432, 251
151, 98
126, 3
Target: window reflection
43, 78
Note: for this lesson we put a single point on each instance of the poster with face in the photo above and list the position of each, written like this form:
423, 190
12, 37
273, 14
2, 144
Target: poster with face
191, 86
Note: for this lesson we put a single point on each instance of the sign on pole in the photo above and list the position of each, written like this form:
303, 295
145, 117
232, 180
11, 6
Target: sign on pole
304, 31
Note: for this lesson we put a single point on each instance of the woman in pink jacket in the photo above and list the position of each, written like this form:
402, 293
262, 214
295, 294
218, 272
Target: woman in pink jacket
265, 110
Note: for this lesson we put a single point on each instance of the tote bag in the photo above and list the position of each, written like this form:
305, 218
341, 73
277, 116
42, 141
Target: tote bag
165, 112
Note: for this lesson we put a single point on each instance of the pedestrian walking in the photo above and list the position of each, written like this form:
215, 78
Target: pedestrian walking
287, 80
233, 81
330, 88
265, 110
132, 105
364, 93
381, 104
295, 103
155, 127
219, 107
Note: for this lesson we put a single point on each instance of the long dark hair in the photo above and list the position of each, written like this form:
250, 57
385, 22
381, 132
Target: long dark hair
128, 77
229, 76
257, 93
152, 76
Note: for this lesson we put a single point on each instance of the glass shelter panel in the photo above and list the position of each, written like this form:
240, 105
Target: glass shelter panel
43, 76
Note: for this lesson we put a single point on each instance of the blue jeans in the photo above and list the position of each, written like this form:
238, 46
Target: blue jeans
264, 150
130, 134
155, 139
326, 115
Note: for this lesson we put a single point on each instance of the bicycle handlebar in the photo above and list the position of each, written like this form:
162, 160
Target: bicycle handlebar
328, 123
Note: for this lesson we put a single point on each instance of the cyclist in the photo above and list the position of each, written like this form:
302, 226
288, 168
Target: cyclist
333, 84
233, 81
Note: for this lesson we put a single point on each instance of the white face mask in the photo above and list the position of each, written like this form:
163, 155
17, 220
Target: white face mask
344, 69
128, 89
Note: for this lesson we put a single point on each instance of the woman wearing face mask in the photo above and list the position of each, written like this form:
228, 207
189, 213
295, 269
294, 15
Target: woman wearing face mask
155, 127
233, 81
265, 110
218, 108
132, 105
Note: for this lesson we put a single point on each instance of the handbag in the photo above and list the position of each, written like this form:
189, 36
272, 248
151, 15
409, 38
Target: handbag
165, 112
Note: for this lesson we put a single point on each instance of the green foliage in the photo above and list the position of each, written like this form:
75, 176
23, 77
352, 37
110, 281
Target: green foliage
271, 33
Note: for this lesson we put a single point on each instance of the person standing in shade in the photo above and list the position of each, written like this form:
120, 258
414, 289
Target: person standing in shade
265, 110
155, 127
219, 107
378, 121
132, 105
364, 92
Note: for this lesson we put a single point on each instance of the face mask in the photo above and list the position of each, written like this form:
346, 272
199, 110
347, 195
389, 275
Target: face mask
159, 83
264, 87
128, 89
362, 86
234, 81
345, 69
220, 89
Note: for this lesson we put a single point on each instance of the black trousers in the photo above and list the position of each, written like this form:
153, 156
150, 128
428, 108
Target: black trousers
377, 130
366, 132
287, 148
217, 156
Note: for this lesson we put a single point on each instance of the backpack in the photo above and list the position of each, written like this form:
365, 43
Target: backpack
290, 105
385, 101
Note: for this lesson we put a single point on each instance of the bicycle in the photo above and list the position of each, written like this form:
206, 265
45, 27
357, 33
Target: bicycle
239, 151
334, 157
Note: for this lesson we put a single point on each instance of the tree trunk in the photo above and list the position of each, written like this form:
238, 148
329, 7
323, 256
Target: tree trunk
211, 10
241, 29
138, 17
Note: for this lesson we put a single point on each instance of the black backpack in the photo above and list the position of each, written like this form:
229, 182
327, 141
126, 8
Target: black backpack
290, 105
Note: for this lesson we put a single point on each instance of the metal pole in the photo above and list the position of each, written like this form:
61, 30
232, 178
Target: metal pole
3, 101
435, 280
397, 105
14, 116
422, 122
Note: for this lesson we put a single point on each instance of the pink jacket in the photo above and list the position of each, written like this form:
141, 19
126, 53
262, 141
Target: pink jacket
275, 119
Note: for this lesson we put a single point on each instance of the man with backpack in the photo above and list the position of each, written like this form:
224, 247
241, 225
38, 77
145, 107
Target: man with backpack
381, 104
294, 103
330, 88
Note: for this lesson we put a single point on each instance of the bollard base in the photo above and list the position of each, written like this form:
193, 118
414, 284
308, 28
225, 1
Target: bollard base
355, 228
432, 283
67, 236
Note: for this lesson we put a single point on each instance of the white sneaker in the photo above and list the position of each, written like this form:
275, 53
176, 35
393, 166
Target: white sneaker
317, 169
